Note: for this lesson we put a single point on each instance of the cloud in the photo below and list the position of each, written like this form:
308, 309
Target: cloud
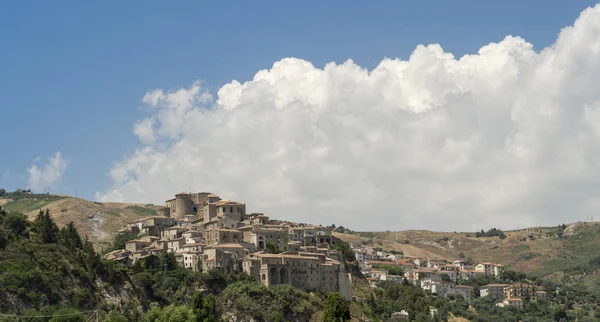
48, 175
144, 131
505, 137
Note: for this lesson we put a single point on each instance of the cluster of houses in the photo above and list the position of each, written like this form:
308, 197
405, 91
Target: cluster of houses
443, 278
205, 232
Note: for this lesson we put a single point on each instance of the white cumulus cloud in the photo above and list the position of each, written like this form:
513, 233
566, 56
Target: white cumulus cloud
508, 136
47, 175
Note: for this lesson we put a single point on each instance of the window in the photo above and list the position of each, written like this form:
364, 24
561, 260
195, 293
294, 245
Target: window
230, 209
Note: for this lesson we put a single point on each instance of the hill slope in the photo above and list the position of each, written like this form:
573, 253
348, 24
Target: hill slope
538, 251
99, 221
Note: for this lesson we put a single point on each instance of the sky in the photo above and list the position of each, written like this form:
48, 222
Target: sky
398, 115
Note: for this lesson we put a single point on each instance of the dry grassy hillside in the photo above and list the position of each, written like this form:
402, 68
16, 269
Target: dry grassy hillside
528, 250
98, 221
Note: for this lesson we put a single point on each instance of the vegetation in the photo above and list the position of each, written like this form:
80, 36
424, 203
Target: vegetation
120, 240
336, 309
346, 250
270, 247
50, 271
491, 233
580, 255
143, 211
26, 205
46, 269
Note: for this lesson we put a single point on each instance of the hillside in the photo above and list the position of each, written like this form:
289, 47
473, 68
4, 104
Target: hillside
519, 252
98, 221
536, 251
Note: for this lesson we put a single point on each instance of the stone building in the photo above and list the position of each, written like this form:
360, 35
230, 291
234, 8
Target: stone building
223, 236
259, 236
223, 208
188, 204
306, 271
222, 222
172, 233
218, 258
311, 235
151, 225
192, 260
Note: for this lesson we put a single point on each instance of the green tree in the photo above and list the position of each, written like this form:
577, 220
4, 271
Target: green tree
45, 227
392, 269
115, 316
205, 308
69, 237
336, 309
2, 192
346, 250
120, 240
168, 259
445, 277
559, 314
271, 247
16, 223
170, 313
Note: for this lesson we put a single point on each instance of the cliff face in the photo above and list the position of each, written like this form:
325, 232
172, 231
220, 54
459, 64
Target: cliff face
34, 275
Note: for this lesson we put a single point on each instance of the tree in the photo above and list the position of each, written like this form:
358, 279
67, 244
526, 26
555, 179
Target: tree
205, 308
346, 250
45, 227
559, 314
69, 236
461, 255
2, 192
445, 277
115, 316
168, 259
169, 313
393, 269
16, 224
120, 240
336, 309
271, 247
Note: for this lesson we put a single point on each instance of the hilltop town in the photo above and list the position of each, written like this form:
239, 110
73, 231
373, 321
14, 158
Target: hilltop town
167, 253
205, 232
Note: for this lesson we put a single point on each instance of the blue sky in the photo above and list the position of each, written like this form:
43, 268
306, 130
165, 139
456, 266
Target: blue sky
72, 73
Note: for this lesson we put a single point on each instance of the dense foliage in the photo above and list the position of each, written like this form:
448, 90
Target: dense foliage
44, 268
120, 240
491, 233
346, 250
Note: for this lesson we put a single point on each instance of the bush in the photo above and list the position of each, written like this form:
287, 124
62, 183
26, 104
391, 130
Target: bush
114, 316
336, 308
346, 250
